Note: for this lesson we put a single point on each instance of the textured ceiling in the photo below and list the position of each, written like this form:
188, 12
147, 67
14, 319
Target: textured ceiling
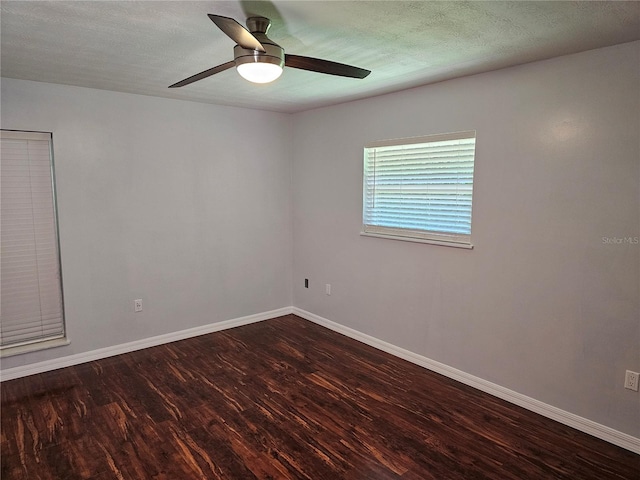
144, 46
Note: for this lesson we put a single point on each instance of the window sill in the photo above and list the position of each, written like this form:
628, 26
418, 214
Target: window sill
467, 246
10, 351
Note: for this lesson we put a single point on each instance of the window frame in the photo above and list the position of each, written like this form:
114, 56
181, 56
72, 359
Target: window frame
57, 339
450, 239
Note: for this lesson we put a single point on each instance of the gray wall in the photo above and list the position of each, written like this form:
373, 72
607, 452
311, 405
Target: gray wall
164, 200
542, 305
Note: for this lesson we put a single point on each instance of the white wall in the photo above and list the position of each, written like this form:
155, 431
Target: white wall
184, 205
542, 305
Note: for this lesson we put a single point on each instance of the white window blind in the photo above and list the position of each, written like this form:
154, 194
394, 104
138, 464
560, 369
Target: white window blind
31, 308
420, 188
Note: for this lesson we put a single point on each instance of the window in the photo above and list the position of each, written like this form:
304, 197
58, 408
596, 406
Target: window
420, 189
31, 309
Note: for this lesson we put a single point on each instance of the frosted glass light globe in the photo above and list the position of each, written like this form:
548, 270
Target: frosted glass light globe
258, 72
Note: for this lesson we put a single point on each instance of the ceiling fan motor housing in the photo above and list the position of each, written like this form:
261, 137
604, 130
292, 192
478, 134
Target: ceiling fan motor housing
274, 53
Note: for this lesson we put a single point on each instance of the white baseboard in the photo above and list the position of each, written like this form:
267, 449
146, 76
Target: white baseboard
70, 360
579, 423
582, 424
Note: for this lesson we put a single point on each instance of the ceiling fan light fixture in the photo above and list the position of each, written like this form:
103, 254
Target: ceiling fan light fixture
259, 67
259, 72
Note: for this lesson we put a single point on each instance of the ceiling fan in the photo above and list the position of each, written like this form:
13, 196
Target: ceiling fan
260, 60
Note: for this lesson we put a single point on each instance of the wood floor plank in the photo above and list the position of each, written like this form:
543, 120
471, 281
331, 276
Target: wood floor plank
281, 399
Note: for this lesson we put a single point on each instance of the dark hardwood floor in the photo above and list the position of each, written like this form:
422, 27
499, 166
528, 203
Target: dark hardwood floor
281, 399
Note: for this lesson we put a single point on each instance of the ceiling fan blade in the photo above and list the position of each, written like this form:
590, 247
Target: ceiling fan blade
237, 32
324, 66
205, 74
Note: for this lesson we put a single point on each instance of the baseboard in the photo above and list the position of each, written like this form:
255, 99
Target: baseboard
582, 424
70, 360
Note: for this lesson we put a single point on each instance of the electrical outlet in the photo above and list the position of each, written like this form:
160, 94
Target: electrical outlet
137, 305
631, 380
327, 289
